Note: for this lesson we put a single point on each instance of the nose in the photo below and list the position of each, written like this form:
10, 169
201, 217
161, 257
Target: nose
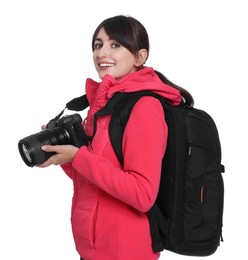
103, 51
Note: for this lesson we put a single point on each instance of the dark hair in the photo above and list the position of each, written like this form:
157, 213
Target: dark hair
130, 33
188, 100
127, 31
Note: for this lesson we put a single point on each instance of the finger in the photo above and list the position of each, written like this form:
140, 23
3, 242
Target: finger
51, 161
50, 148
45, 164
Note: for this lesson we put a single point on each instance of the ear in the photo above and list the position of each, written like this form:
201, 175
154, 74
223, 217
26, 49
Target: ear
141, 57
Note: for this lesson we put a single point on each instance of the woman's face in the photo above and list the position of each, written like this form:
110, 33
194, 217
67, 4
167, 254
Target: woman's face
112, 58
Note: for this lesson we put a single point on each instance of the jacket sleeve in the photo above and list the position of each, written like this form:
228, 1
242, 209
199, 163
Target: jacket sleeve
144, 143
67, 168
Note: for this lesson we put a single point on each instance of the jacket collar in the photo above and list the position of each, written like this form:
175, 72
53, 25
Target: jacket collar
98, 93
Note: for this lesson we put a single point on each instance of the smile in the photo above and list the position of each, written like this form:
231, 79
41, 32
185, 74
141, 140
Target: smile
104, 65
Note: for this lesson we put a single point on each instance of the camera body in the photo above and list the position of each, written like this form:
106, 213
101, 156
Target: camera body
65, 130
66, 121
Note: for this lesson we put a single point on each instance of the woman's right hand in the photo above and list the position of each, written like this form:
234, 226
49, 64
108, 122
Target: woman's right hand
63, 154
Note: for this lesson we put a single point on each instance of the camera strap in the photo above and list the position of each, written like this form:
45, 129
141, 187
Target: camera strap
76, 104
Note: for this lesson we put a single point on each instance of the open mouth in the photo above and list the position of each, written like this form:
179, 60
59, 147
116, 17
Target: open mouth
106, 65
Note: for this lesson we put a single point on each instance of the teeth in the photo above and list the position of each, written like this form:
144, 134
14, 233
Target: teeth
105, 65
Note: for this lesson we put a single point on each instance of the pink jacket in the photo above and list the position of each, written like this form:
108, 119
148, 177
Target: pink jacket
110, 202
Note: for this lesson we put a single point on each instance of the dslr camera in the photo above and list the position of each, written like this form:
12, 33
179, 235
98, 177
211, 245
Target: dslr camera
65, 130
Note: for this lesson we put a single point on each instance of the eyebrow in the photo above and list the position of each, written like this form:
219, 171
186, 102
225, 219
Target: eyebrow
99, 39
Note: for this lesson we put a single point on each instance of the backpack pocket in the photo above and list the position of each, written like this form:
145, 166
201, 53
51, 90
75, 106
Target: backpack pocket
203, 196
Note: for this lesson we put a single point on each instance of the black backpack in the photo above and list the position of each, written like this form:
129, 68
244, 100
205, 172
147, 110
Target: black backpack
187, 215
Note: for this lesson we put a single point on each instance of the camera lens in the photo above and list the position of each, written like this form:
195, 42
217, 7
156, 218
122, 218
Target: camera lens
30, 147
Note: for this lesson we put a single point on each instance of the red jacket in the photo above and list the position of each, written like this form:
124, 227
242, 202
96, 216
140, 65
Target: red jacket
110, 202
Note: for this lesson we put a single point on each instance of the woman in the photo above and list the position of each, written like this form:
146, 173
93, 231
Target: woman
109, 219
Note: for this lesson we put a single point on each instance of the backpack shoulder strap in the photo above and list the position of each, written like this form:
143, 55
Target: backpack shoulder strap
120, 116
159, 227
113, 106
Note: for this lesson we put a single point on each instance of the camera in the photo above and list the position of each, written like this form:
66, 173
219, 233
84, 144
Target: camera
65, 130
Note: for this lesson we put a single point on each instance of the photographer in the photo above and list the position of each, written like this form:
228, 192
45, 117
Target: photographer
110, 201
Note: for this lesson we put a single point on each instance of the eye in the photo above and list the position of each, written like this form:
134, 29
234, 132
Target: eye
97, 45
115, 45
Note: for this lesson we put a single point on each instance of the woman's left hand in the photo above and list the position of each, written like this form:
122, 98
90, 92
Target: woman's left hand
64, 154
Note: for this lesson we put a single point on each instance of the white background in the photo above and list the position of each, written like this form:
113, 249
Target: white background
45, 57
